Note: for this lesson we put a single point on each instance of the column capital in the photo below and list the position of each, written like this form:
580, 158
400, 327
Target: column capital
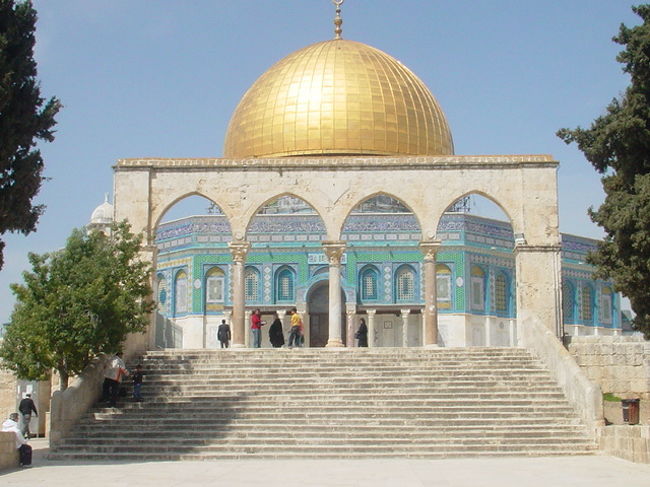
405, 312
371, 312
429, 248
350, 308
334, 250
238, 250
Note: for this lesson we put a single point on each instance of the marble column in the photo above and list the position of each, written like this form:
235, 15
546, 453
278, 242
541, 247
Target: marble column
247, 328
430, 312
334, 250
350, 314
405, 327
238, 249
372, 330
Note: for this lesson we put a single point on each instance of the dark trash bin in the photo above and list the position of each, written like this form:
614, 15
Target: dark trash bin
630, 411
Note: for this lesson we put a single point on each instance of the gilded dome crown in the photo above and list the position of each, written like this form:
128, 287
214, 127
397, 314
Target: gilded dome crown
337, 97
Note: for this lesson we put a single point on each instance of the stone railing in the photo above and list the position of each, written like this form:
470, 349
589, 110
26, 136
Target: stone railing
8, 450
69, 405
584, 395
628, 442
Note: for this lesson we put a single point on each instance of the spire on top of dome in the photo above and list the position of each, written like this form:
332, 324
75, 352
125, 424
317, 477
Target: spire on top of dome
338, 20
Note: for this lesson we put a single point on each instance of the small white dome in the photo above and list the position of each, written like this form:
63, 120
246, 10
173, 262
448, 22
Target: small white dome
103, 214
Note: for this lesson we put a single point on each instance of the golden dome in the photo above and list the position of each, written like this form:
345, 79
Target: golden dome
334, 98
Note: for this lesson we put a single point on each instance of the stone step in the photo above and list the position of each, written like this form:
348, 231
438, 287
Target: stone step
238, 430
181, 394
457, 403
280, 449
285, 443
220, 421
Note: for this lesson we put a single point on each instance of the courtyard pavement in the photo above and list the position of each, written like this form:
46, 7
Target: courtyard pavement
580, 471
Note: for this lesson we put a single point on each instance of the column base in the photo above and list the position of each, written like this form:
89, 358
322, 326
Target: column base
432, 345
334, 344
237, 345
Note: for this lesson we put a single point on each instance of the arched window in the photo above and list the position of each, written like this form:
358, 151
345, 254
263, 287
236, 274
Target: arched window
180, 293
501, 293
284, 285
214, 286
252, 284
369, 284
477, 287
568, 302
605, 314
443, 286
405, 284
161, 293
586, 303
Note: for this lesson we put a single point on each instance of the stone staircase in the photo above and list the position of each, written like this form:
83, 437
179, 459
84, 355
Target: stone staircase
324, 403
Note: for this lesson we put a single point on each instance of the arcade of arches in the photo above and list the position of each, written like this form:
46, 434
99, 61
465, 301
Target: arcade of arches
524, 186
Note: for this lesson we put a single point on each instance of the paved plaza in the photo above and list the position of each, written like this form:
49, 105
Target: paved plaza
587, 471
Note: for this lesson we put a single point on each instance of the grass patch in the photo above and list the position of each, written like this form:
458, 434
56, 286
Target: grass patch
608, 396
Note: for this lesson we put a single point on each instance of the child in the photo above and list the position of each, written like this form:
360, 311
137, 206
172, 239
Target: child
137, 383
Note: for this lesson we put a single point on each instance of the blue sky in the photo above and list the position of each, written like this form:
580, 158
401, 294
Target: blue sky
160, 78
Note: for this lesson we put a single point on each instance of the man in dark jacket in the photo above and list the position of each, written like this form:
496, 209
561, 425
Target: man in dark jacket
26, 407
223, 334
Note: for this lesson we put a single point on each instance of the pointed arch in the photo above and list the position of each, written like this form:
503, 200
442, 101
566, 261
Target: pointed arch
348, 224
269, 201
285, 285
158, 216
181, 293
405, 284
443, 286
586, 303
252, 286
489, 197
478, 277
215, 288
368, 284
568, 301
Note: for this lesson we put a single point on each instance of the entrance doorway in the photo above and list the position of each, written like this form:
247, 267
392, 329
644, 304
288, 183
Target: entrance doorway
318, 309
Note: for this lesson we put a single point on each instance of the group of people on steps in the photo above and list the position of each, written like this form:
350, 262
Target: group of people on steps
276, 334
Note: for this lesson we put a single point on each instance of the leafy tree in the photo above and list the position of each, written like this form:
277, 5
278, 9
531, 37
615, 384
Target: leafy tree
76, 303
618, 145
23, 120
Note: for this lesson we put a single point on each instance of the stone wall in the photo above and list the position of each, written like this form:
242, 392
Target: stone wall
8, 385
621, 366
8, 451
628, 442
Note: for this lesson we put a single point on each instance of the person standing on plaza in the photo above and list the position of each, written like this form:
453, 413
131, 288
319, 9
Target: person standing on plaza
26, 408
223, 334
114, 371
296, 333
256, 328
276, 336
24, 450
362, 334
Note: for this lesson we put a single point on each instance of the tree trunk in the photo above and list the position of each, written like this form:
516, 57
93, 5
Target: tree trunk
63, 377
